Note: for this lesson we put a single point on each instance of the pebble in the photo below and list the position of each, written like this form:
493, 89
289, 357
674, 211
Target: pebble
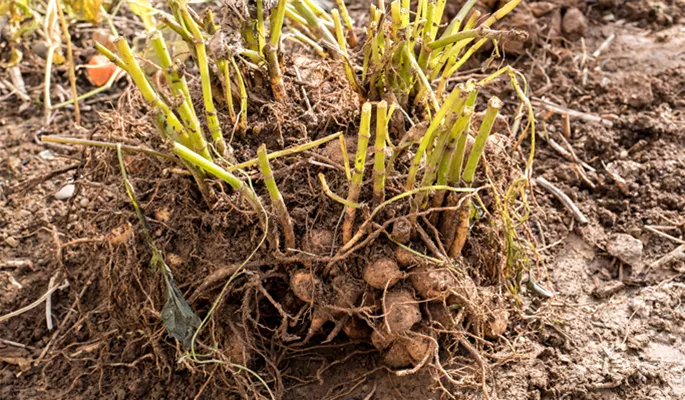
626, 248
574, 24
65, 192
46, 155
12, 242
84, 202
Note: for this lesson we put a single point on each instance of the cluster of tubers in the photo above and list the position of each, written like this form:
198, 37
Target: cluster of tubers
399, 304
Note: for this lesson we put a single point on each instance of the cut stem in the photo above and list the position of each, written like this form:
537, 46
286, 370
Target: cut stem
358, 175
275, 74
277, 202
379, 152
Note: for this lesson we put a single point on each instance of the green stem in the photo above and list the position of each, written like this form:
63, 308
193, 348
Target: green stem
317, 26
275, 74
352, 37
452, 166
494, 105
225, 70
428, 137
358, 175
242, 125
277, 202
179, 87
238, 185
203, 66
163, 112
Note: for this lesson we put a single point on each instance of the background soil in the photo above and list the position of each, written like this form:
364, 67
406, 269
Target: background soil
613, 331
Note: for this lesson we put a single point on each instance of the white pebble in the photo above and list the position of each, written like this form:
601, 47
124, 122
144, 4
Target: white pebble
46, 155
65, 192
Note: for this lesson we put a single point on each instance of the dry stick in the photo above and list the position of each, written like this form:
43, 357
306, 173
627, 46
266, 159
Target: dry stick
276, 199
677, 254
573, 113
379, 155
49, 20
286, 152
197, 174
564, 199
356, 183
494, 105
70, 58
51, 289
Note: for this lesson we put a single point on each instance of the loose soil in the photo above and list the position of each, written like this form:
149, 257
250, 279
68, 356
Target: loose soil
615, 330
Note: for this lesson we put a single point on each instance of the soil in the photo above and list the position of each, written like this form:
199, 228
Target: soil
615, 328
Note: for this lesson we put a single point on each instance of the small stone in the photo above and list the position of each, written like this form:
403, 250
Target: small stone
84, 202
574, 24
637, 90
40, 48
12, 242
541, 8
65, 192
626, 248
13, 162
46, 155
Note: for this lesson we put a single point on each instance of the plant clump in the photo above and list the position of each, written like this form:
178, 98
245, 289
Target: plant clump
365, 233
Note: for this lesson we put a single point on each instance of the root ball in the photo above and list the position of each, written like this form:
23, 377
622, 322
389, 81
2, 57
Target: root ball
401, 311
383, 273
306, 286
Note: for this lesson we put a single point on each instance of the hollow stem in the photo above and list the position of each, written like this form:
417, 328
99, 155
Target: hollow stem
277, 202
379, 152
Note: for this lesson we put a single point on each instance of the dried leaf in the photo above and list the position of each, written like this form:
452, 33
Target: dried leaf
179, 319
84, 10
